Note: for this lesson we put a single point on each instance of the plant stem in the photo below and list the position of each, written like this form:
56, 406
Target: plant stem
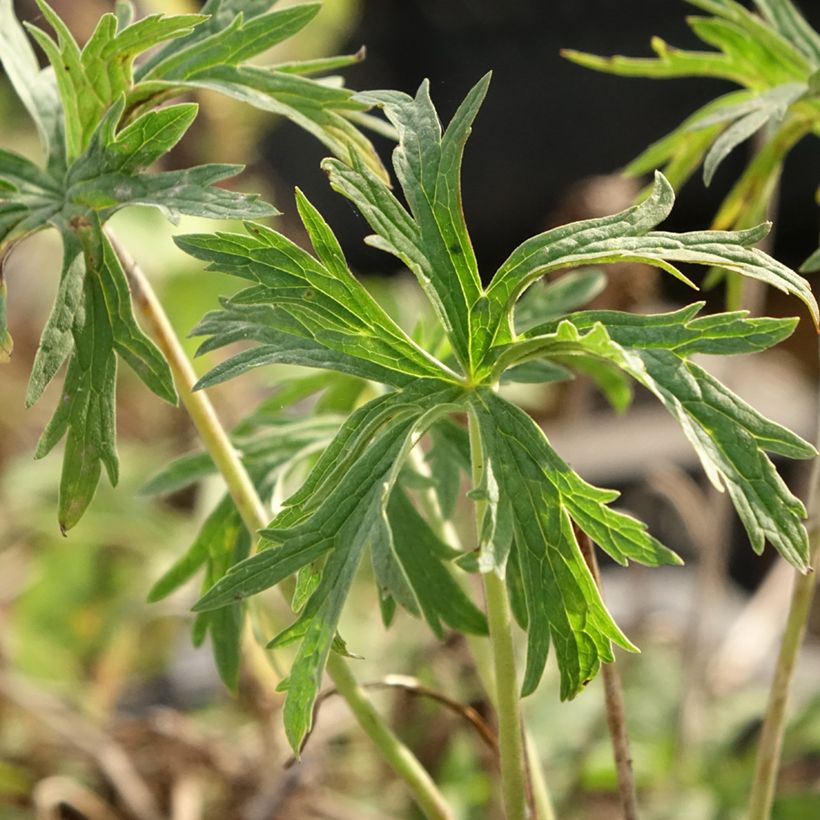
444, 529
615, 713
514, 784
395, 753
774, 724
255, 517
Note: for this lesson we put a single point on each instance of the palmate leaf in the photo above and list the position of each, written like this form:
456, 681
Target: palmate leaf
96, 110
563, 604
307, 309
214, 57
92, 323
36, 89
92, 78
627, 236
270, 451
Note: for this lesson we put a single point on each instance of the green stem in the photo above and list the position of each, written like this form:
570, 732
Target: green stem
255, 517
774, 723
394, 752
514, 784
444, 529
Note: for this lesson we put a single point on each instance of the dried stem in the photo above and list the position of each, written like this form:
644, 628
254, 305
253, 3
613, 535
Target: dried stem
615, 714
74, 729
255, 517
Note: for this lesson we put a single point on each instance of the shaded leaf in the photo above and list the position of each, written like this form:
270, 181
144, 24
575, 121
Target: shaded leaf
562, 600
419, 552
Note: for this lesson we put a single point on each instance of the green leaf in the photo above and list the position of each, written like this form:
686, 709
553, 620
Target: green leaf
228, 543
626, 237
130, 342
86, 411
305, 310
65, 58
31, 85
751, 117
757, 50
786, 18
233, 44
730, 437
670, 62
342, 513
419, 552
147, 32
91, 79
563, 602
27, 177
428, 166
29, 197
219, 14
124, 11
579, 243
191, 191
448, 458
92, 322
211, 533
682, 150
812, 264
545, 301
148, 138
57, 339
683, 331
182, 472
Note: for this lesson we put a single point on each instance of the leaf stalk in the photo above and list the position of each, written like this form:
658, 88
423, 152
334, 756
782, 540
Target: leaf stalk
253, 513
514, 784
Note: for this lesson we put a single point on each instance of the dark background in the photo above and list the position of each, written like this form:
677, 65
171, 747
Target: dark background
546, 122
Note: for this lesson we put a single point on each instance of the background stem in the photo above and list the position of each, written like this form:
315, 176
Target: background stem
615, 713
514, 784
774, 723
255, 517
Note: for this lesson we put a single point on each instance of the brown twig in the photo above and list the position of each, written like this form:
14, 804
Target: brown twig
413, 687
704, 515
615, 714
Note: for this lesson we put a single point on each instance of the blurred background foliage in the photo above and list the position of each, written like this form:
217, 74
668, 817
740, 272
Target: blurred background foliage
106, 710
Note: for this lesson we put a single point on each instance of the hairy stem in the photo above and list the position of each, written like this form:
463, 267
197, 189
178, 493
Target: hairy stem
615, 713
255, 517
774, 723
514, 784
541, 798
